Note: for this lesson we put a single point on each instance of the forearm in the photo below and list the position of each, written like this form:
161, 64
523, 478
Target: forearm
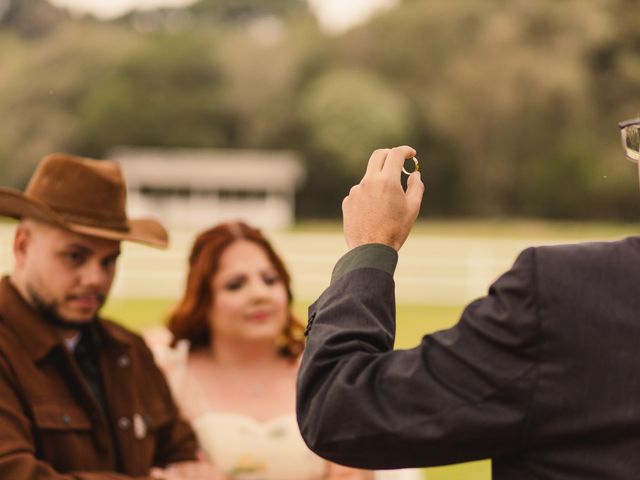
343, 346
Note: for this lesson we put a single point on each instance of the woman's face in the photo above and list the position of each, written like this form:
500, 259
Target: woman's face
250, 299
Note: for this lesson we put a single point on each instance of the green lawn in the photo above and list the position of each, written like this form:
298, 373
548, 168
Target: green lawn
413, 322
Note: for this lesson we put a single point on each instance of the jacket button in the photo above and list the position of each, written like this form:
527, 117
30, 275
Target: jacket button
66, 419
124, 423
124, 361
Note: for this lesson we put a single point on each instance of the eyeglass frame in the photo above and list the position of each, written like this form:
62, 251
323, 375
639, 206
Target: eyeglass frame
623, 136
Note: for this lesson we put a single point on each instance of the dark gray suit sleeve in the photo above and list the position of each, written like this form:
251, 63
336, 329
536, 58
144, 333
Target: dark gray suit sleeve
462, 394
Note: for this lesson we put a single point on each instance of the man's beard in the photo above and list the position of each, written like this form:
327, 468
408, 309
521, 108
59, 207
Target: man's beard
49, 311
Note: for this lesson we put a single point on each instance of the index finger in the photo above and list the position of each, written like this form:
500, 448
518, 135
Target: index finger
395, 160
376, 161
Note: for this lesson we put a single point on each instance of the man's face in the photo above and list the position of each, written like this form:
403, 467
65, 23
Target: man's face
65, 275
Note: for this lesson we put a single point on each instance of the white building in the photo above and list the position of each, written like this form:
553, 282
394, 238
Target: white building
196, 188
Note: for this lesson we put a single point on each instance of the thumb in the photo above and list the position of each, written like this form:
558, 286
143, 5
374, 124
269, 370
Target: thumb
415, 190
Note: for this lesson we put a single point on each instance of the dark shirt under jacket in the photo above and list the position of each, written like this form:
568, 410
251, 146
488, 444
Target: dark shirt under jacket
541, 375
52, 424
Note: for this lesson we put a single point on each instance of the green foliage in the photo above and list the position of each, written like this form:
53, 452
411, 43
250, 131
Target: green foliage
242, 10
350, 113
261, 68
30, 18
163, 94
512, 106
43, 83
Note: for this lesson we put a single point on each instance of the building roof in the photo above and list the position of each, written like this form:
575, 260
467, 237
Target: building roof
210, 169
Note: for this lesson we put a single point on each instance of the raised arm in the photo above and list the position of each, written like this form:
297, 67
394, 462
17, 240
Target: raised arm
461, 395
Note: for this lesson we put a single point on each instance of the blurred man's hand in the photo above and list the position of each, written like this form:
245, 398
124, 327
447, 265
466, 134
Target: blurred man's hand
378, 210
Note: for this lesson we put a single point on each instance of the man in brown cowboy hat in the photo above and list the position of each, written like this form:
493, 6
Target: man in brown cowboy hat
80, 397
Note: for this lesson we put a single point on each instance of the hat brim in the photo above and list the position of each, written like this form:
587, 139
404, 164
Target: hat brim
15, 204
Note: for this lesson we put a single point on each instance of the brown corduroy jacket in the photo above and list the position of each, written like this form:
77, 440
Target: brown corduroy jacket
52, 427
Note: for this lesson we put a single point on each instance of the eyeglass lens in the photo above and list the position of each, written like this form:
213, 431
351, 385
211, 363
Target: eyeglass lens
632, 141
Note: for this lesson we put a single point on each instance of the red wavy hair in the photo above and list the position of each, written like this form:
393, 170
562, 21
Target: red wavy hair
189, 319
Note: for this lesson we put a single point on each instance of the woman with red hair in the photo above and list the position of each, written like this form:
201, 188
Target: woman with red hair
237, 383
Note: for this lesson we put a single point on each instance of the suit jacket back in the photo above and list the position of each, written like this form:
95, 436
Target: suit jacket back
540, 375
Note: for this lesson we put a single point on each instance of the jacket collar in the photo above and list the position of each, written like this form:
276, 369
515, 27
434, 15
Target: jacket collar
36, 335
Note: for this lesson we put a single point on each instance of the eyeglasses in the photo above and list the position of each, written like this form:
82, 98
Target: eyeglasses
630, 135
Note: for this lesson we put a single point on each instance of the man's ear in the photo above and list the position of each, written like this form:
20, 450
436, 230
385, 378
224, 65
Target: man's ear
21, 242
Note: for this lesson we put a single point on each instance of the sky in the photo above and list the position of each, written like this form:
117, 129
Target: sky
335, 16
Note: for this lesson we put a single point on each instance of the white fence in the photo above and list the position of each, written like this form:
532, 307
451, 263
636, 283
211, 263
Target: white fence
436, 270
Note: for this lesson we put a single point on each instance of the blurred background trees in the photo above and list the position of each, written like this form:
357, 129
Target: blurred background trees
512, 106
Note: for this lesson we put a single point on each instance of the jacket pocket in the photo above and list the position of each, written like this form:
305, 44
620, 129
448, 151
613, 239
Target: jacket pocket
63, 436
48, 416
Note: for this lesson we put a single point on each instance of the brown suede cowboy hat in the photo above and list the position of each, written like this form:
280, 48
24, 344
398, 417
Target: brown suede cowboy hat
82, 195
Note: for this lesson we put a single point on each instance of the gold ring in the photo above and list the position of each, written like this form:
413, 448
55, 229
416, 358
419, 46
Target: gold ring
415, 161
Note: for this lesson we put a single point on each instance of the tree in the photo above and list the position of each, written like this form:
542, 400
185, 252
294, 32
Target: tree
162, 94
30, 18
231, 11
349, 113
502, 87
43, 83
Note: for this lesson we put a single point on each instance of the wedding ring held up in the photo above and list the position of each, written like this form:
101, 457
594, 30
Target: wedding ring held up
415, 160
